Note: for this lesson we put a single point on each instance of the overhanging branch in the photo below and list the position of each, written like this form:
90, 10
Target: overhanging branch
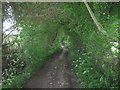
93, 16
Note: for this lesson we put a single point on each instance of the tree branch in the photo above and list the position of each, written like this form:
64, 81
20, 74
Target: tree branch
93, 16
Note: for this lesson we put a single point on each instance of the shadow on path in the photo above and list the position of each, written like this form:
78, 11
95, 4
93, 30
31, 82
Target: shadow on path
58, 72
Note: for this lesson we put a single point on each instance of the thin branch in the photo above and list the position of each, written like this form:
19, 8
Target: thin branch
10, 28
8, 34
93, 16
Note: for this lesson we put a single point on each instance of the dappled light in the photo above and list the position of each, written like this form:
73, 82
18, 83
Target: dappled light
60, 45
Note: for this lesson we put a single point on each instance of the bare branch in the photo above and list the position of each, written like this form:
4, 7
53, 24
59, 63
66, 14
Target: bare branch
93, 16
13, 26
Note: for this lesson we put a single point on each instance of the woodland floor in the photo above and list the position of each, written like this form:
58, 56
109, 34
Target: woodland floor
58, 72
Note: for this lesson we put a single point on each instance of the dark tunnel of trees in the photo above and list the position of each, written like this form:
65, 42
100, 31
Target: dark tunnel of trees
37, 29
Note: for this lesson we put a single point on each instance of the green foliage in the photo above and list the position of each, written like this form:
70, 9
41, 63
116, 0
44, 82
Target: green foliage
45, 27
91, 51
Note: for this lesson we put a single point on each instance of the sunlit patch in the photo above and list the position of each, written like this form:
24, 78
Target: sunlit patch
114, 47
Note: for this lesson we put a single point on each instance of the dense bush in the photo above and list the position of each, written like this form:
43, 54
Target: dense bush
45, 25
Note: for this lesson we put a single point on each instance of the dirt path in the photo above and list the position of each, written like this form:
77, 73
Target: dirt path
57, 73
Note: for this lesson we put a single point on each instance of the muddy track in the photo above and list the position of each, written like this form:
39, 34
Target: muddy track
58, 72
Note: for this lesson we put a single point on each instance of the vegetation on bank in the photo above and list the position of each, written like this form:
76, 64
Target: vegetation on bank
40, 29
